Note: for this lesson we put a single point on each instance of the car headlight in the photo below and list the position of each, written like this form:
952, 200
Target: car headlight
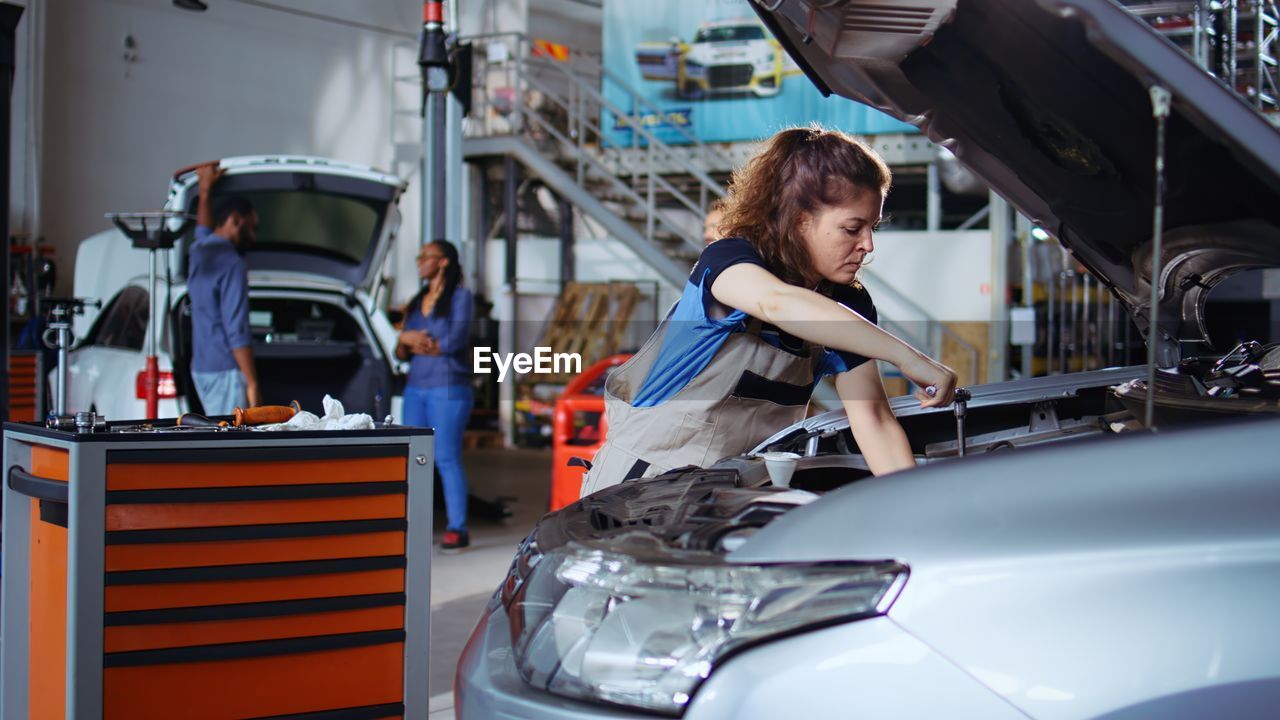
608, 627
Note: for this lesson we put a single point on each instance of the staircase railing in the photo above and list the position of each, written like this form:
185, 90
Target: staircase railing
558, 102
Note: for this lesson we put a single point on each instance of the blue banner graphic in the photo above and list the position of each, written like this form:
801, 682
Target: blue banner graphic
714, 71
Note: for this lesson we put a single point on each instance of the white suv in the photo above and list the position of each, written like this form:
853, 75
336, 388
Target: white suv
314, 285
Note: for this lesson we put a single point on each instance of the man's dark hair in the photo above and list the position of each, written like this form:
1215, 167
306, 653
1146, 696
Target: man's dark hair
226, 207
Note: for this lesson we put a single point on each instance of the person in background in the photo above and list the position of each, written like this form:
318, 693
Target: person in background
436, 342
711, 223
218, 287
770, 308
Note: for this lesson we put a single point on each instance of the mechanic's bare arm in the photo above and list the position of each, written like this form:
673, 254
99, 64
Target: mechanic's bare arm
208, 176
244, 358
819, 319
878, 434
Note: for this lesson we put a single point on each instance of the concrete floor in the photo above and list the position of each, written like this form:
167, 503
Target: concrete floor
462, 583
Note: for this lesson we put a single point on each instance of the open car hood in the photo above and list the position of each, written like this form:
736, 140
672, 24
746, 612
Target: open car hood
1049, 102
317, 216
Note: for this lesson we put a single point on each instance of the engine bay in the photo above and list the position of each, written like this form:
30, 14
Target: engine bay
698, 515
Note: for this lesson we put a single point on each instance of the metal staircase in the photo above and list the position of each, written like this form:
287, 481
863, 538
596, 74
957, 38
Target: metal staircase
547, 114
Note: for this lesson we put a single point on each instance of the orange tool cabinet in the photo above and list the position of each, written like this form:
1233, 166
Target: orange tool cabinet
215, 574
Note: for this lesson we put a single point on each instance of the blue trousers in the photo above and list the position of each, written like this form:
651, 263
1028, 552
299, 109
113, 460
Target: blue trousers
446, 409
221, 391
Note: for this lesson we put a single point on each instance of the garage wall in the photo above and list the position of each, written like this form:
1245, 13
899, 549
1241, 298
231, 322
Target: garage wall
490, 16
235, 80
568, 22
948, 273
239, 79
23, 191
134, 89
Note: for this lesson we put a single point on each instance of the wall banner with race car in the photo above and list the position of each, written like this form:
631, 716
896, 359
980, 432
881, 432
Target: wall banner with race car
714, 70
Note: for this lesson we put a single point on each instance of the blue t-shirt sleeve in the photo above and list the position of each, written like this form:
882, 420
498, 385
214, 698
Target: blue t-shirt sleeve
718, 256
235, 307
458, 327
858, 300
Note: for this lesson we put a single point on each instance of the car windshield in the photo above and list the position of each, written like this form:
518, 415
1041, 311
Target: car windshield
732, 32
337, 226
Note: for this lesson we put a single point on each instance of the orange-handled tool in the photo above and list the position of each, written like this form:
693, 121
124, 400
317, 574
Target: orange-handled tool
266, 414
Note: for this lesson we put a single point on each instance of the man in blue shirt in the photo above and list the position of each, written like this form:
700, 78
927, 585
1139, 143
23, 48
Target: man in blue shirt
218, 286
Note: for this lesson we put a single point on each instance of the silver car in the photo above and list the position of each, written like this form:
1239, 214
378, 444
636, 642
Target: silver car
1073, 564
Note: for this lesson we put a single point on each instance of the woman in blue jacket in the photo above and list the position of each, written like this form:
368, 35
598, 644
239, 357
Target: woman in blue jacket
436, 342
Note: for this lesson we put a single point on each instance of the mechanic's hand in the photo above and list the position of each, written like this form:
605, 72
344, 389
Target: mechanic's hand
416, 341
208, 175
253, 394
926, 372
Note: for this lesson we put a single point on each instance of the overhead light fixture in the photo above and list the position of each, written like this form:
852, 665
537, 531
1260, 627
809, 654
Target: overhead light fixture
195, 5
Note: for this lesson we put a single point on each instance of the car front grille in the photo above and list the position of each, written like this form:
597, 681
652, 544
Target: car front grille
729, 75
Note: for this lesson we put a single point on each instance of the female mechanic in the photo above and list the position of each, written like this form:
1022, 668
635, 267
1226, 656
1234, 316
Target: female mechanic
767, 312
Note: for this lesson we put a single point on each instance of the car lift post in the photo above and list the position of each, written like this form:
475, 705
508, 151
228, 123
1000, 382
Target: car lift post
159, 236
1160, 102
437, 69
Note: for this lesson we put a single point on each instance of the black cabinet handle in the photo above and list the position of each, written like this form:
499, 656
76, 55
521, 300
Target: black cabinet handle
52, 494
38, 487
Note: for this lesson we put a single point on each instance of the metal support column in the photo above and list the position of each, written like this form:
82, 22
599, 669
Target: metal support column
1160, 105
1071, 313
1112, 339
567, 269
511, 215
9, 16
1231, 45
933, 201
1051, 320
1086, 327
1023, 233
511, 315
478, 201
433, 58
1266, 63
433, 171
1063, 319
453, 194
1001, 239
1199, 41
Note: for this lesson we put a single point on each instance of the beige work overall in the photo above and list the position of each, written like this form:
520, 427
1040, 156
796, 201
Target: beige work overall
748, 391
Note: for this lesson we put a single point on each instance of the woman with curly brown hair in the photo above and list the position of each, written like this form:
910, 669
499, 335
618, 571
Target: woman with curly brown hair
768, 311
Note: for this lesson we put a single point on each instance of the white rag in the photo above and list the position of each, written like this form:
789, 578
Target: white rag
334, 418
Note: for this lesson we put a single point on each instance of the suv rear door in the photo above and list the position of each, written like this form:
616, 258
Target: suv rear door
316, 216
